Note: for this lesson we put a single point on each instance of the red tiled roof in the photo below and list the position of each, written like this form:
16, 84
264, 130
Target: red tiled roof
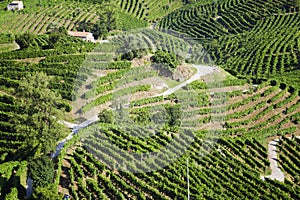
78, 34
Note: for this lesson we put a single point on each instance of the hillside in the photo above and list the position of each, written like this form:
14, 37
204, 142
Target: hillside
173, 100
252, 39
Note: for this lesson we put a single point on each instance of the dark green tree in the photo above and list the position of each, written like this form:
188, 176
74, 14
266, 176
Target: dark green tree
26, 40
86, 26
168, 60
55, 35
41, 170
108, 21
174, 118
41, 114
106, 116
174, 113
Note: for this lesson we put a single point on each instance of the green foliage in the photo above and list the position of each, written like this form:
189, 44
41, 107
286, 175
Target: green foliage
168, 60
119, 65
106, 116
41, 170
47, 193
13, 195
130, 55
56, 34
232, 33
108, 21
149, 11
141, 116
128, 22
11, 174
6, 38
39, 105
174, 112
26, 40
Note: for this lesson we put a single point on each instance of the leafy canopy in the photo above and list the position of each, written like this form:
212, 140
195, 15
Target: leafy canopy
40, 113
167, 59
41, 170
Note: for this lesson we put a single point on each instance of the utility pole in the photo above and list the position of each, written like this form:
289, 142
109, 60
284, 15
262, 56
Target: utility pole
188, 181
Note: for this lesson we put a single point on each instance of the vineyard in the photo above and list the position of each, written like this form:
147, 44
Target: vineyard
228, 164
289, 157
38, 17
63, 63
254, 39
149, 10
200, 105
230, 169
103, 61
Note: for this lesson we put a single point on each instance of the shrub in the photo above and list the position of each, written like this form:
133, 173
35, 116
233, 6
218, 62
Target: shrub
41, 170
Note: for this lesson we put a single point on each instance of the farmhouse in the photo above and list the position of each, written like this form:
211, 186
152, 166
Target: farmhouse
86, 36
15, 5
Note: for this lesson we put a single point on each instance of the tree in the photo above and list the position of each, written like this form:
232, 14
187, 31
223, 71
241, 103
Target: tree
131, 54
174, 113
142, 117
86, 26
108, 21
13, 195
41, 170
173, 121
168, 60
41, 113
106, 116
26, 40
55, 34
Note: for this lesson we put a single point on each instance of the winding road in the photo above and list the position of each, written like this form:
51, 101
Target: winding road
276, 174
202, 70
75, 129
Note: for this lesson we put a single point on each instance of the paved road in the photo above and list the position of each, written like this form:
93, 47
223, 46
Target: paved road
202, 70
276, 174
29, 189
75, 129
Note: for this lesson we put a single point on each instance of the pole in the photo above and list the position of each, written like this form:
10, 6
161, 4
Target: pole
188, 181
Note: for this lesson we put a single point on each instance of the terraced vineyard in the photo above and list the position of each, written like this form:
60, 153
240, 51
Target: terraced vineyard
185, 109
10, 116
228, 164
289, 157
232, 164
256, 39
149, 10
39, 17
63, 63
